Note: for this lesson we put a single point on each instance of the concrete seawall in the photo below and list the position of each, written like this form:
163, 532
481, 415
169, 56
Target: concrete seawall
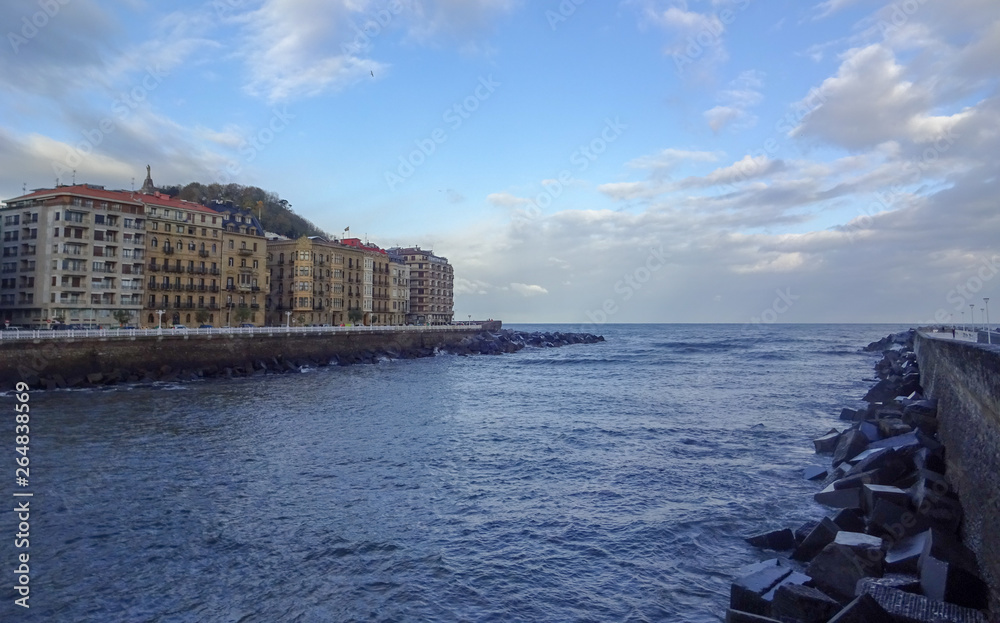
77, 358
965, 379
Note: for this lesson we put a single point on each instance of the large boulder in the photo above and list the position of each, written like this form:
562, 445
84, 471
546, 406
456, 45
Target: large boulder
803, 604
851, 443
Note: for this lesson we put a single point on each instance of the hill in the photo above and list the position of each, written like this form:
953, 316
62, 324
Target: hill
275, 213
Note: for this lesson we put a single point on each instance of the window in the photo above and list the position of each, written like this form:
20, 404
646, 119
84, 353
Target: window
166, 227
255, 263
231, 245
231, 261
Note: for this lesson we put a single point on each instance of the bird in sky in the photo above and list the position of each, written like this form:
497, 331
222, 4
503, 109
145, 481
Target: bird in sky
373, 72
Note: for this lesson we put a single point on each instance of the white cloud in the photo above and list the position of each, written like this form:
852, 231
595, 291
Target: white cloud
528, 290
302, 48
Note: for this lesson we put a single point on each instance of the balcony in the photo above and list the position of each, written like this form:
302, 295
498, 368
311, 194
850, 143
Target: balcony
255, 289
190, 287
168, 250
254, 305
246, 252
214, 271
213, 288
155, 267
213, 306
188, 305
203, 253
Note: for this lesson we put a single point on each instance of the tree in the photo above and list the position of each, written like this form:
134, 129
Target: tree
201, 316
355, 315
123, 317
242, 314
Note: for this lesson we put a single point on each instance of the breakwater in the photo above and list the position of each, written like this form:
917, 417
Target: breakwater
896, 547
177, 356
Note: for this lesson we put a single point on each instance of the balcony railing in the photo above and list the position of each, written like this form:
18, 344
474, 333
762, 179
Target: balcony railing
203, 253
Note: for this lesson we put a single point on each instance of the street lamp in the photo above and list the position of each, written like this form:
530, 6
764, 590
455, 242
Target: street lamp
989, 332
972, 316
288, 319
160, 313
963, 319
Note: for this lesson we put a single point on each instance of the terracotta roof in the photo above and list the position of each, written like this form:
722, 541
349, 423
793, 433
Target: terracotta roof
356, 243
124, 196
82, 190
166, 201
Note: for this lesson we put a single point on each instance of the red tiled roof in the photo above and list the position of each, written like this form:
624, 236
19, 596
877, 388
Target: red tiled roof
356, 243
125, 196
82, 190
166, 201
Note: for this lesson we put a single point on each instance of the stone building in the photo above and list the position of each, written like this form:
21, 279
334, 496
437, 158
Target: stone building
307, 281
244, 265
184, 268
432, 280
72, 255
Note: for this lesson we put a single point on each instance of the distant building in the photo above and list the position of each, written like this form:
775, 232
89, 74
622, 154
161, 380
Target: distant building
432, 281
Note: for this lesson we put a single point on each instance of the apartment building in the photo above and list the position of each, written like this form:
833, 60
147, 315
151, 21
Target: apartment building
244, 265
307, 281
72, 255
399, 290
432, 280
184, 269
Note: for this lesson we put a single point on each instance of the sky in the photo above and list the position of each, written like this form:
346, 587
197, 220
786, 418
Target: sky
577, 161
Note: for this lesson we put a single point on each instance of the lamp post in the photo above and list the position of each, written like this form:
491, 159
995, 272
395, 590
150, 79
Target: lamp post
972, 316
288, 319
159, 323
963, 319
989, 336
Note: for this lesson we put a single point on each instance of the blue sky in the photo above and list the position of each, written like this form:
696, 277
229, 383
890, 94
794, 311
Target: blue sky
633, 161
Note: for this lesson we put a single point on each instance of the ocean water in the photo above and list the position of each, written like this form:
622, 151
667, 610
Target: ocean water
605, 482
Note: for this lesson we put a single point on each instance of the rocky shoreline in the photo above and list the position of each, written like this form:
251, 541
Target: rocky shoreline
484, 343
891, 550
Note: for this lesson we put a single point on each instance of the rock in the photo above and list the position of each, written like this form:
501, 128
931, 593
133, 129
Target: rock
839, 498
827, 443
870, 430
871, 494
895, 522
95, 378
747, 593
949, 572
814, 472
909, 608
903, 555
819, 537
863, 609
865, 545
776, 540
848, 415
850, 519
909, 440
837, 569
850, 444
803, 531
893, 427
803, 604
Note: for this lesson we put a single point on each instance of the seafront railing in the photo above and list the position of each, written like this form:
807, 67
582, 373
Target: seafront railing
75, 334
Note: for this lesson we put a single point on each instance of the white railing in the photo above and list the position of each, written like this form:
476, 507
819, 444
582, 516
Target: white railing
74, 334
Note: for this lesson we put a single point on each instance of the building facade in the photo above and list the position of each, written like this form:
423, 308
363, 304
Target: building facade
399, 290
72, 255
185, 254
244, 265
432, 281
307, 281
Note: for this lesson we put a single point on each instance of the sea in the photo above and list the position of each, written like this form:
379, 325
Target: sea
594, 482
